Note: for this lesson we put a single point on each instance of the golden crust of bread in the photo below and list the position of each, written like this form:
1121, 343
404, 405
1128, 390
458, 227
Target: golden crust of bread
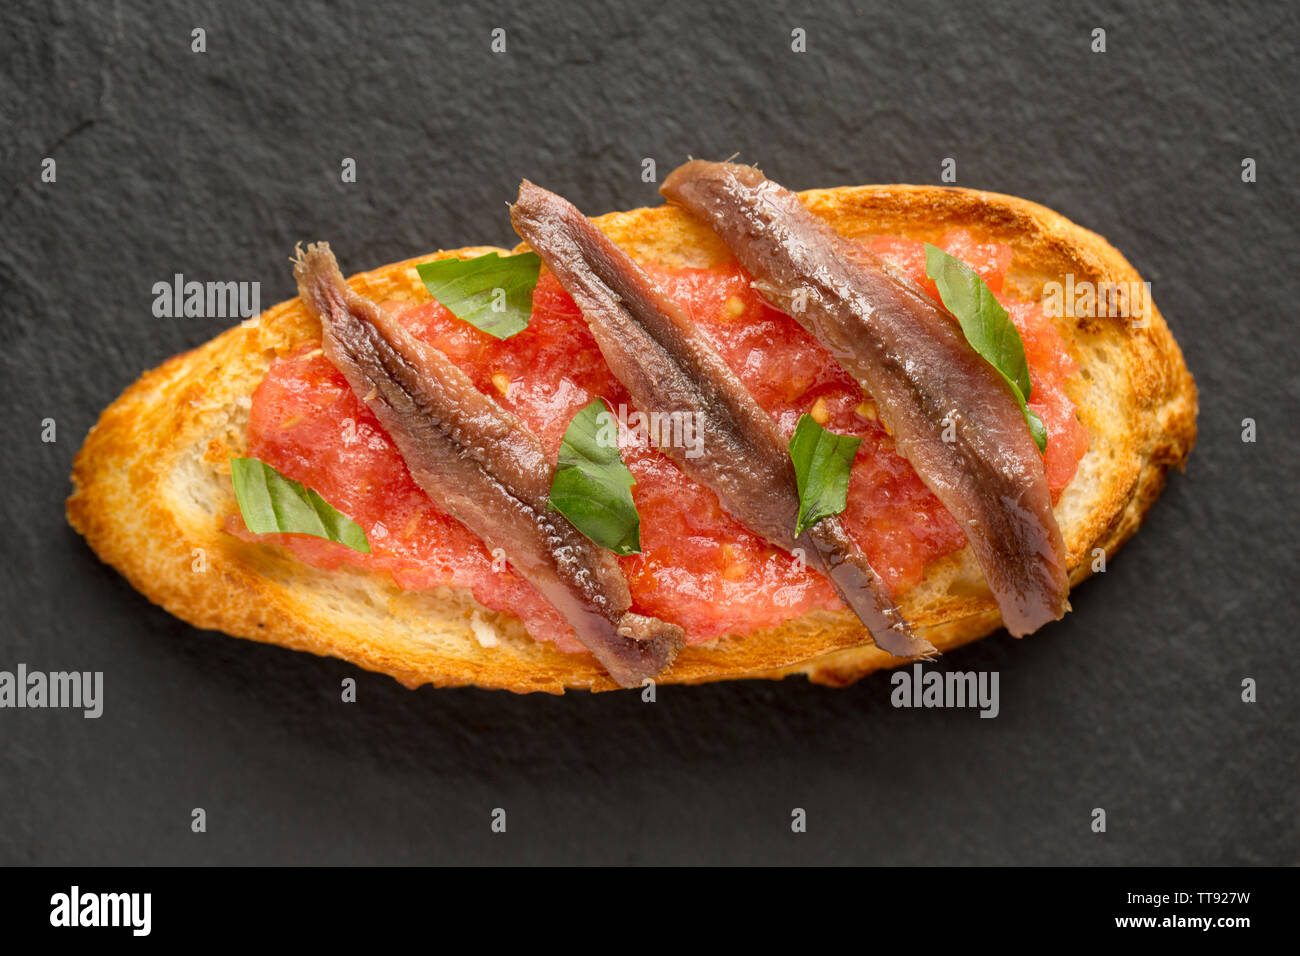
152, 488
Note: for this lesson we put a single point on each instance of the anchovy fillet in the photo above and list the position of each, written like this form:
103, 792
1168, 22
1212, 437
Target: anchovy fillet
480, 464
912, 358
670, 368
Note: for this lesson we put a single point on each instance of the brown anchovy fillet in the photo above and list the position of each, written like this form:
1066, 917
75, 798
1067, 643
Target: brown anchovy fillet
484, 467
668, 366
912, 358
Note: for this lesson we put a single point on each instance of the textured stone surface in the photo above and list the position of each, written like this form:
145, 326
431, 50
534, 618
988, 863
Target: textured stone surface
213, 165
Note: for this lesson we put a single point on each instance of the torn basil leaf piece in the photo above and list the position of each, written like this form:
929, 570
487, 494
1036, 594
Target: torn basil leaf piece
822, 461
987, 327
272, 503
592, 486
493, 293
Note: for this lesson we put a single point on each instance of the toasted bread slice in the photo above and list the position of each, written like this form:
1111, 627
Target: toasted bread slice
152, 484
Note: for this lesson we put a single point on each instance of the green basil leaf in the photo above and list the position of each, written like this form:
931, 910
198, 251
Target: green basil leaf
592, 487
493, 293
987, 327
271, 503
1036, 427
822, 461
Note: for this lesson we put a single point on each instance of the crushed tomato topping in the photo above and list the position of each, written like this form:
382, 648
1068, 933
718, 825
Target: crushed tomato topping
699, 567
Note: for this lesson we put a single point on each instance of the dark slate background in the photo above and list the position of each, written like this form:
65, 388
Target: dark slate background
214, 165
